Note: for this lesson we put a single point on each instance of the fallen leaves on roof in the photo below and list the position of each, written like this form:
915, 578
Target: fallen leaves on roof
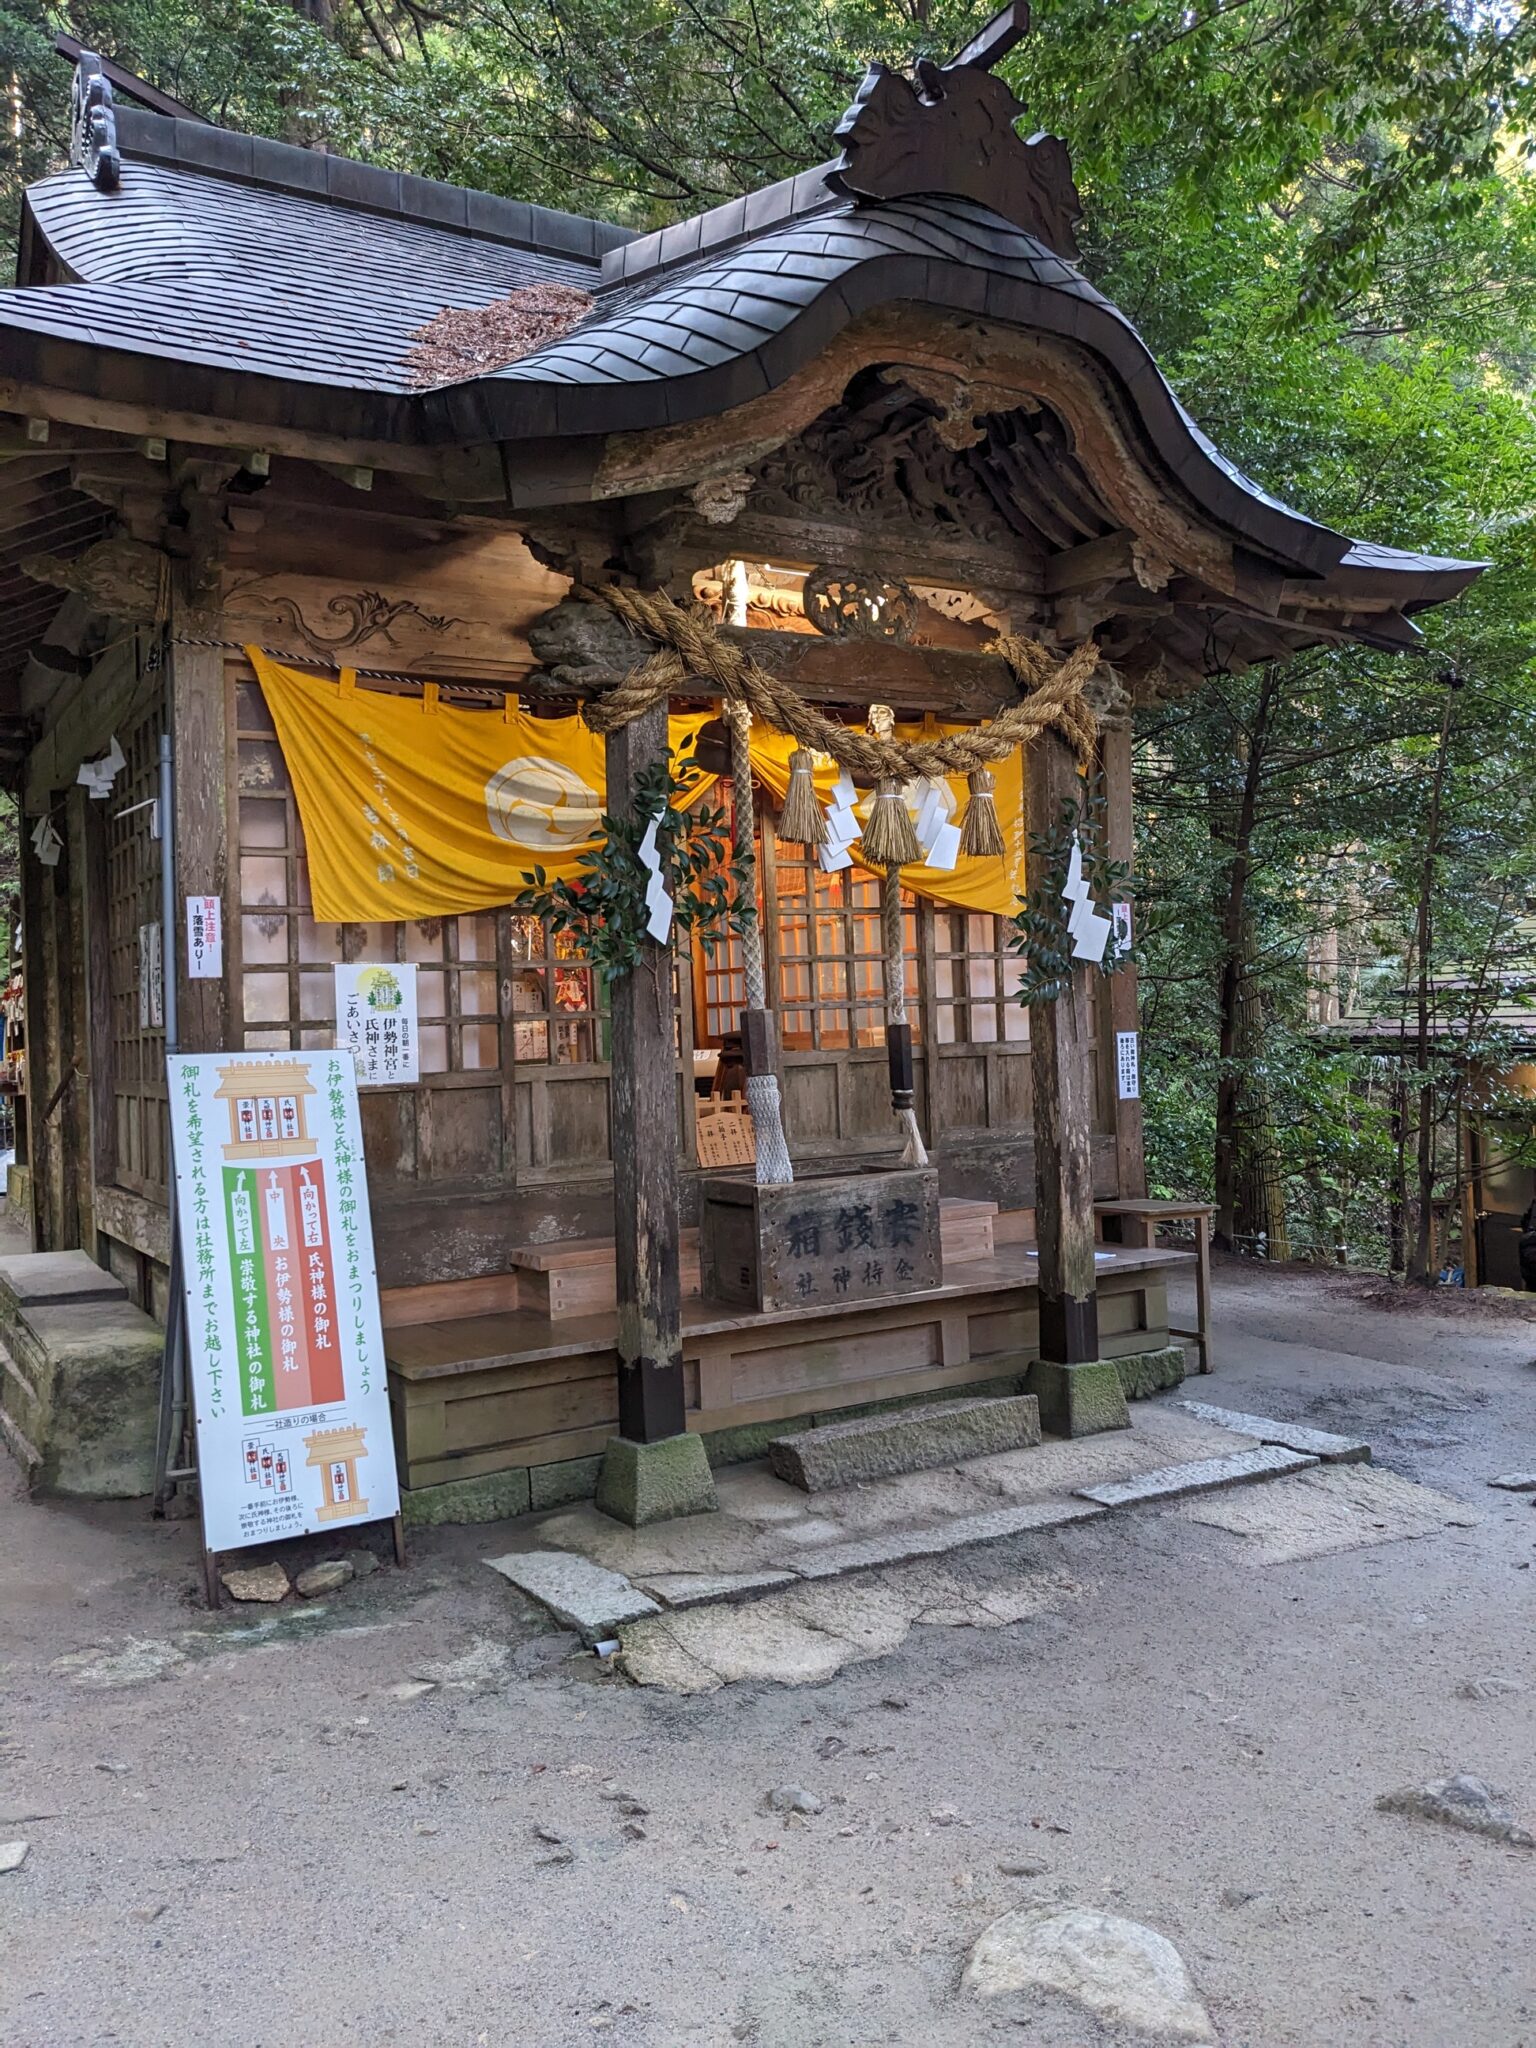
472, 341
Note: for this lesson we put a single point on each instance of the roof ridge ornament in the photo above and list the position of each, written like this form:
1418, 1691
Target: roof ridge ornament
93, 124
950, 129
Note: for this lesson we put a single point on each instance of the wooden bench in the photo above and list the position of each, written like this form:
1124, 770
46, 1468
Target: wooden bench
1144, 1215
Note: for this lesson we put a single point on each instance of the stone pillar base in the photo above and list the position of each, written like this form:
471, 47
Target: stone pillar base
1078, 1400
641, 1483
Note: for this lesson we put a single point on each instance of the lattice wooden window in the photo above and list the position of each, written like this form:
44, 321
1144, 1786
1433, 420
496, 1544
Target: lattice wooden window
559, 1005
831, 993
976, 981
288, 991
133, 903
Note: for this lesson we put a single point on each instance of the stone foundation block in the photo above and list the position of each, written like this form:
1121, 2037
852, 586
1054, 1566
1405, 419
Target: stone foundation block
1150, 1372
911, 1440
493, 1497
1079, 1400
644, 1483
568, 1479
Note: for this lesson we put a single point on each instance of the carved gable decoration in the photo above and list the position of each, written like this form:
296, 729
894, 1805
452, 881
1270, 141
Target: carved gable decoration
882, 463
952, 131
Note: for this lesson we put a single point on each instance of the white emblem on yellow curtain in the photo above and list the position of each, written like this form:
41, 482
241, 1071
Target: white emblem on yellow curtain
541, 804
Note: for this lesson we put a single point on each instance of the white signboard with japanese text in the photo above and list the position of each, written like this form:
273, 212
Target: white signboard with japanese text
1128, 1065
205, 938
283, 1334
376, 1021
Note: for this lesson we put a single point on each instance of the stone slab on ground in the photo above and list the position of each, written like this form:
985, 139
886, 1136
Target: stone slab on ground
1201, 1475
1291, 1436
896, 1546
1328, 1509
586, 1597
12, 1856
696, 1589
46, 1279
1515, 1482
904, 1440
1125, 1973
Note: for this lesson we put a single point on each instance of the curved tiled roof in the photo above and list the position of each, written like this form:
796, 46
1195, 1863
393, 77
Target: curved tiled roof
250, 294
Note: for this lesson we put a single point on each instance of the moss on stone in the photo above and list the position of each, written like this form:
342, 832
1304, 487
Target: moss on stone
1150, 1372
493, 1497
644, 1483
1079, 1400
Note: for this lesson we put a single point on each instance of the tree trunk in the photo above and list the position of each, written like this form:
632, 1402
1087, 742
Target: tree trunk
1422, 1263
1233, 993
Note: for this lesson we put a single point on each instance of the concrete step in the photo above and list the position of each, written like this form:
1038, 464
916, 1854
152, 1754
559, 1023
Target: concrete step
904, 1440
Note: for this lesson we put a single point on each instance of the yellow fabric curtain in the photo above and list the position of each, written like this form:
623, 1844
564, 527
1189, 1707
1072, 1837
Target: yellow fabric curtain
413, 808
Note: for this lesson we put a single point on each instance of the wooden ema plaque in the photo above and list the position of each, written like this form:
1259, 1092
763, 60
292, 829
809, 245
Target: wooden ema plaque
723, 1133
833, 1238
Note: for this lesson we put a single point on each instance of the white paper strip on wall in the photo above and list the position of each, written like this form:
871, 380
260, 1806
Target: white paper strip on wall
1128, 1065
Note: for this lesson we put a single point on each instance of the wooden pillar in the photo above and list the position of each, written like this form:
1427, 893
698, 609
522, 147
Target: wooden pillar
643, 1126
1118, 993
201, 783
1061, 1066
35, 892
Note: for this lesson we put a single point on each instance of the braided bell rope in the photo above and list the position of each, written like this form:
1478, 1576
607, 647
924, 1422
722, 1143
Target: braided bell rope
772, 1165
893, 969
691, 648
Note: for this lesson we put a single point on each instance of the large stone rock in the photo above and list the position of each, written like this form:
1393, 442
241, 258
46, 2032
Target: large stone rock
1080, 1399
1117, 1969
267, 1583
910, 1440
585, 1596
644, 1483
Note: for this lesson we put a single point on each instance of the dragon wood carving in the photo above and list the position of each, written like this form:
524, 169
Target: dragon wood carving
882, 462
361, 616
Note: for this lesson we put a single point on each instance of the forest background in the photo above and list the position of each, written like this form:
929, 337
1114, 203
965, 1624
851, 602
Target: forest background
1322, 217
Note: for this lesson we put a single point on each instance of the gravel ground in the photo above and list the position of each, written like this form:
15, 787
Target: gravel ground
240, 1834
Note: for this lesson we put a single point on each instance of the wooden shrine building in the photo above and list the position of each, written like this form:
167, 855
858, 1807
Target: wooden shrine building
877, 423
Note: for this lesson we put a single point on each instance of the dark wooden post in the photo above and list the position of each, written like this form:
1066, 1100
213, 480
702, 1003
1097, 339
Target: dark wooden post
198, 735
653, 1469
1078, 1392
1121, 993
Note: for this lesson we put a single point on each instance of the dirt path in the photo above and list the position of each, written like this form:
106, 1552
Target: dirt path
240, 1835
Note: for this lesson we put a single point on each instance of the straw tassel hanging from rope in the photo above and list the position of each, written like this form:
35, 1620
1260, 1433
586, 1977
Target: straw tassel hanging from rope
759, 1038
